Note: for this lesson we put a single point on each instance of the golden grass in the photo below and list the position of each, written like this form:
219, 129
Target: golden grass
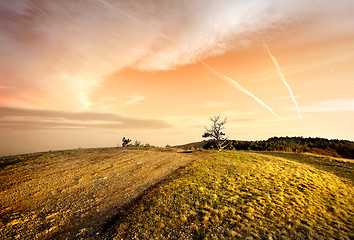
72, 194
339, 166
241, 195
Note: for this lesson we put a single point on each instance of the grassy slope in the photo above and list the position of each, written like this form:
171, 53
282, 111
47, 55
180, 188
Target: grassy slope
244, 195
339, 166
63, 194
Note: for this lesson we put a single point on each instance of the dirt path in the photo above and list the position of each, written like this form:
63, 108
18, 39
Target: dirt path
72, 194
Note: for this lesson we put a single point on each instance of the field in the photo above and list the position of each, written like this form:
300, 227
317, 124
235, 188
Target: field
243, 195
124, 194
74, 193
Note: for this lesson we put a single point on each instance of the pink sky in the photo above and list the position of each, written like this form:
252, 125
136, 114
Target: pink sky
86, 73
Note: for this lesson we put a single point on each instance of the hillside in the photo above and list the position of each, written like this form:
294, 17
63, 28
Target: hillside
242, 195
195, 145
140, 193
68, 194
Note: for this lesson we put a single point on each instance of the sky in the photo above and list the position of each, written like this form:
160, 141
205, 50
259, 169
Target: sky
88, 73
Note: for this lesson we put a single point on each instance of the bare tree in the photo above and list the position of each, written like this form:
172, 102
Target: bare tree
125, 142
215, 131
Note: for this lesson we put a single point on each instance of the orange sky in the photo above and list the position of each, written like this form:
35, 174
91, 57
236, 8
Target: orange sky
108, 69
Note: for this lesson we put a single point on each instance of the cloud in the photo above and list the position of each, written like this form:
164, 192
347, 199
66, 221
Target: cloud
61, 50
215, 104
38, 119
335, 105
135, 100
239, 87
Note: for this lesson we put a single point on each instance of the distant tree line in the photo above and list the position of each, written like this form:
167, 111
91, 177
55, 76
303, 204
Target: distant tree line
322, 146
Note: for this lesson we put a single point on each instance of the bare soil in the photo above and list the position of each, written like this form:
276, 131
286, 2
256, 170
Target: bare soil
73, 194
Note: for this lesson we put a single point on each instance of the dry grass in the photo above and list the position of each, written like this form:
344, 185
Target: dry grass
78, 194
240, 195
72, 194
339, 166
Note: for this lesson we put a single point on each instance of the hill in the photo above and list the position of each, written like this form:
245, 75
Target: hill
243, 195
195, 145
154, 193
73, 193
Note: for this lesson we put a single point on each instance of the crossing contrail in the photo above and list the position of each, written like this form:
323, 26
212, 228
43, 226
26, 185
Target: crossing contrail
234, 83
283, 78
238, 86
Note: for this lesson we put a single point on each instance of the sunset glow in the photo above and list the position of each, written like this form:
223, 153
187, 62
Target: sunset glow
87, 73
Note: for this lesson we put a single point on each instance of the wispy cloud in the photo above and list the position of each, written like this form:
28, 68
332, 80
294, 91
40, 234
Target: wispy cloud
37, 119
135, 100
335, 105
61, 50
216, 104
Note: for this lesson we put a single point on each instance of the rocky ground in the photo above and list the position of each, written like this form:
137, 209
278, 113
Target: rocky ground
76, 193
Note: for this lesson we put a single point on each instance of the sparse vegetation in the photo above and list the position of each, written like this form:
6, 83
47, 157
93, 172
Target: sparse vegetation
215, 132
125, 142
221, 195
137, 143
239, 195
148, 146
191, 148
71, 194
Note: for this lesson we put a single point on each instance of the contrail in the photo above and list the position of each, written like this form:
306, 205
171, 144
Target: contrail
238, 86
282, 78
331, 74
207, 66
